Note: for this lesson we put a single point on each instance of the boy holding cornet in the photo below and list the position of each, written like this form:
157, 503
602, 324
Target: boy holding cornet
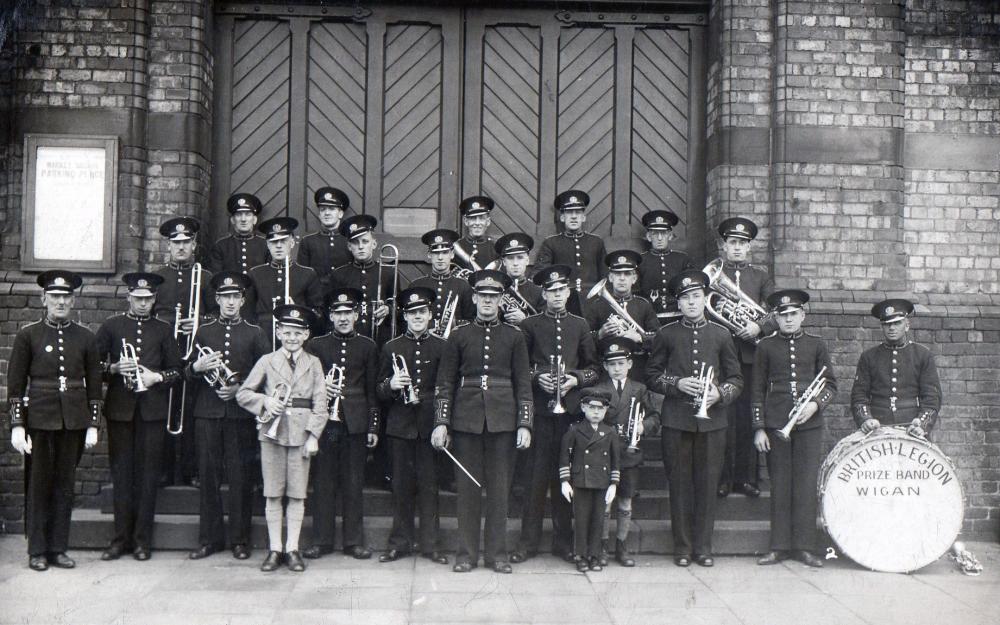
792, 381
286, 390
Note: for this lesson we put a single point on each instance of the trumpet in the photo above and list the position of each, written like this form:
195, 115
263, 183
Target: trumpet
335, 376
388, 257
811, 393
626, 319
635, 416
701, 401
557, 372
220, 376
410, 394
133, 381
282, 392
193, 311
447, 322
727, 303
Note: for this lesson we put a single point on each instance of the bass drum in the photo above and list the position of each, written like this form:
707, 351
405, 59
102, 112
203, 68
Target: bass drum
889, 501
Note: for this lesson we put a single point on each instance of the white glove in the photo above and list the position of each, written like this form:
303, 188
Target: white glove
20, 440
91, 438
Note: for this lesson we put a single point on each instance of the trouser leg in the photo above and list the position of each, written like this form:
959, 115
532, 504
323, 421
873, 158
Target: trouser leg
708, 453
325, 472
121, 453
211, 530
807, 449
352, 465
238, 443
469, 450
779, 461
677, 450
533, 510
150, 438
498, 455
427, 496
404, 490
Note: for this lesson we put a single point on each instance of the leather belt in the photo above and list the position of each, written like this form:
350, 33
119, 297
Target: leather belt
59, 384
300, 402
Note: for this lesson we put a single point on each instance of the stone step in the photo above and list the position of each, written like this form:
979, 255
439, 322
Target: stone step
651, 504
93, 529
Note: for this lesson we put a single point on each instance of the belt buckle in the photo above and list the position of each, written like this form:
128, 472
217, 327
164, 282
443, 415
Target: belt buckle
892, 404
62, 383
483, 379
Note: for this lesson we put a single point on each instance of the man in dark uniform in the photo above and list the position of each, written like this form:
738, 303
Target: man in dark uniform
693, 446
283, 275
225, 432
407, 386
605, 321
137, 418
476, 250
897, 381
660, 263
739, 472
350, 432
582, 251
326, 249
243, 249
523, 298
553, 336
445, 279
786, 366
54, 416
173, 306
483, 399
363, 273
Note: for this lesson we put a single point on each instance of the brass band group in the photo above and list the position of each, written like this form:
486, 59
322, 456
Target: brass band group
283, 360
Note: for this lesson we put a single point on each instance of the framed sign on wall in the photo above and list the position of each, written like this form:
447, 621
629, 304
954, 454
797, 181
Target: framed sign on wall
70, 194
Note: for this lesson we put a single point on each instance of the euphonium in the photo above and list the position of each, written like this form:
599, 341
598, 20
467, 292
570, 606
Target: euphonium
727, 303
811, 393
221, 376
282, 392
601, 289
335, 376
132, 381
705, 380
557, 371
410, 394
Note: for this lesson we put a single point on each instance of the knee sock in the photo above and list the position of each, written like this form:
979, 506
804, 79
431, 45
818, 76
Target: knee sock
624, 518
273, 514
296, 511
606, 530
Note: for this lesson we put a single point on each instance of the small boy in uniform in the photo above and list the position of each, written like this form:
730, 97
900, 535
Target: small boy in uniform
589, 471
291, 374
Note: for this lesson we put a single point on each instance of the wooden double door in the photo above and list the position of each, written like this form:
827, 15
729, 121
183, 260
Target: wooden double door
409, 109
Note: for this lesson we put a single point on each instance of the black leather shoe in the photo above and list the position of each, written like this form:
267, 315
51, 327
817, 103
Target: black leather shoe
704, 560
436, 557
38, 563
113, 552
581, 564
517, 557
568, 556
392, 555
723, 490
294, 561
748, 489
62, 561
463, 567
502, 567
241, 552
603, 556
595, 564
682, 560
142, 554
271, 562
359, 552
771, 557
809, 559
316, 551
203, 552
622, 556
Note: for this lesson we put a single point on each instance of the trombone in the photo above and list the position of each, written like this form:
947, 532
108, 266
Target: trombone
388, 257
283, 393
447, 321
220, 376
335, 376
557, 372
626, 319
399, 368
701, 401
812, 392
193, 311
133, 381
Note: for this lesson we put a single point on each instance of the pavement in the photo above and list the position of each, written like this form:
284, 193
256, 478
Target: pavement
336, 589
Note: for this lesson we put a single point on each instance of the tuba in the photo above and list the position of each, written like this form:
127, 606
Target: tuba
729, 305
283, 392
812, 392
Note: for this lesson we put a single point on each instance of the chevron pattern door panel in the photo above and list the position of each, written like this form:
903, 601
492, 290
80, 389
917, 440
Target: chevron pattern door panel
585, 141
412, 116
260, 95
660, 122
510, 125
335, 155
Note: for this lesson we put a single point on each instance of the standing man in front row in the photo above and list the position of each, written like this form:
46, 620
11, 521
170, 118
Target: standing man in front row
139, 379
693, 415
54, 416
223, 430
483, 398
786, 366
897, 381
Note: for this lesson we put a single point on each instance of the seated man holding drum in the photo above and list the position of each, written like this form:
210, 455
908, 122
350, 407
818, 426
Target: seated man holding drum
897, 381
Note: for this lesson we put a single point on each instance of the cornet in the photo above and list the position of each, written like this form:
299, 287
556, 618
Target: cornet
193, 311
220, 376
513, 300
281, 392
410, 393
557, 372
447, 322
812, 392
701, 401
133, 381
635, 416
727, 303
388, 257
335, 376
627, 322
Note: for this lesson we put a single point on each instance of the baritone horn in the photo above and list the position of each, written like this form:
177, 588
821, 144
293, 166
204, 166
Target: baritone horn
410, 396
626, 319
221, 376
727, 303
133, 381
282, 392
811, 393
335, 376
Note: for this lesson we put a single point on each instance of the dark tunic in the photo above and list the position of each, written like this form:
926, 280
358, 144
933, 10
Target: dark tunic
323, 251
584, 252
237, 253
443, 285
655, 272
896, 384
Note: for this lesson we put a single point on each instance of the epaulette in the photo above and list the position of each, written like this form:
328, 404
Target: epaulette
367, 338
461, 323
672, 323
510, 325
815, 336
252, 325
260, 265
569, 314
205, 325
718, 325
33, 323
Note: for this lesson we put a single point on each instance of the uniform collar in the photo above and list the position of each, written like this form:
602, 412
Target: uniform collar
180, 267
245, 237
441, 276
482, 323
574, 235
900, 345
478, 241
280, 264
552, 315
328, 233
734, 265
231, 322
795, 335
411, 335
666, 252
623, 298
344, 337
138, 317
694, 324
58, 325
367, 265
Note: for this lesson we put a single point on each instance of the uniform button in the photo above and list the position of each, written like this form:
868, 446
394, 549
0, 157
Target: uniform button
418, 362
227, 343
695, 361
62, 358
226, 353
894, 389
894, 379
60, 339
894, 371
62, 368
586, 451
792, 356
696, 341
793, 365
893, 361
343, 360
586, 466
417, 353
138, 340
694, 351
